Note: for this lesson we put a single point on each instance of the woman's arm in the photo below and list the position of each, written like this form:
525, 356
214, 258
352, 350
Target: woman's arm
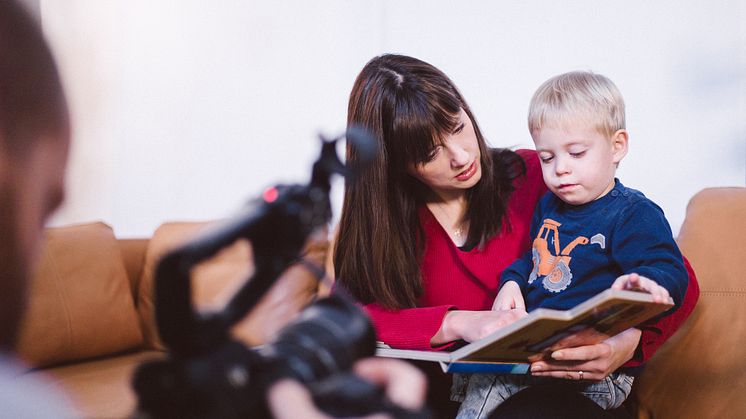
596, 361
473, 325
428, 328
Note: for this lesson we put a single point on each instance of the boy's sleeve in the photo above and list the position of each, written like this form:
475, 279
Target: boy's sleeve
643, 244
518, 271
521, 268
656, 332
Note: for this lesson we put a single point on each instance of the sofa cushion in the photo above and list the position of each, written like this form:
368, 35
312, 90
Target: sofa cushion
165, 238
217, 279
100, 388
699, 372
80, 304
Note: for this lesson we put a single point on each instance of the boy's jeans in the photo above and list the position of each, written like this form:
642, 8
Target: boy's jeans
480, 394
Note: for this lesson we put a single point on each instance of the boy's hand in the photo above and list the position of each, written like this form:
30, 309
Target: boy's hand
509, 298
636, 282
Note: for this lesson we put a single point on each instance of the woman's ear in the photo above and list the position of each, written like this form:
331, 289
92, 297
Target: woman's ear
619, 144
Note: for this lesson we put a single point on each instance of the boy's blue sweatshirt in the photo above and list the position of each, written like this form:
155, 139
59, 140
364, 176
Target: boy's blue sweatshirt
620, 233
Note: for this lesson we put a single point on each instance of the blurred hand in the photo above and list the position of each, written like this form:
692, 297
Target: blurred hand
403, 385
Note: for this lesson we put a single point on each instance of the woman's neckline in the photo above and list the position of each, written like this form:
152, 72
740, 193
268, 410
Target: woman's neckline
456, 232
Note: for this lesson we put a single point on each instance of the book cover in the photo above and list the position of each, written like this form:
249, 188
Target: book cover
511, 348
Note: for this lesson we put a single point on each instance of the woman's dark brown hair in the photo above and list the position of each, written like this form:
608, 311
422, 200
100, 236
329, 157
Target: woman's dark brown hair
409, 107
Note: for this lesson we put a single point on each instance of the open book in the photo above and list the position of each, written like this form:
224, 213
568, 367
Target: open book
511, 348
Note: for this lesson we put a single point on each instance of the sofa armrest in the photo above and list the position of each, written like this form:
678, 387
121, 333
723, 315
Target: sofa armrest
699, 372
215, 280
79, 299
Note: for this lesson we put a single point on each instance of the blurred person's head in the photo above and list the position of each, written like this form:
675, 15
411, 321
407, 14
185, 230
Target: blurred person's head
34, 140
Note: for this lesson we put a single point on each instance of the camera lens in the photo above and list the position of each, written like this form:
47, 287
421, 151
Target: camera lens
328, 337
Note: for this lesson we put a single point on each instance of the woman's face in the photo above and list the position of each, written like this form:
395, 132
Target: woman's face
453, 166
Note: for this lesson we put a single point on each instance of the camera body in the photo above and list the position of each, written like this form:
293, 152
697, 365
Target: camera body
231, 381
207, 373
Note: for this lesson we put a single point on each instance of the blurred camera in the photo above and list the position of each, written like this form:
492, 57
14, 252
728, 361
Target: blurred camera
230, 382
207, 373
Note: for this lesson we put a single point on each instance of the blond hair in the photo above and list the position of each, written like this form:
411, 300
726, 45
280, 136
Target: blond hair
577, 96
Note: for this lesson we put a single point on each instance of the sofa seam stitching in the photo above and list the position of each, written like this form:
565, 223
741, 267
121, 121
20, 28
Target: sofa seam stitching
63, 297
734, 293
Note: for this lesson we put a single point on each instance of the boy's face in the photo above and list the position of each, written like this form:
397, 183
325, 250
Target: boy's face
578, 162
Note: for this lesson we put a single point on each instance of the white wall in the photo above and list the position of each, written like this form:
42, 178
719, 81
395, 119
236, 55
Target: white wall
185, 109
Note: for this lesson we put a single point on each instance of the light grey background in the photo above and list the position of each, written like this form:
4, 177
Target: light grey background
185, 109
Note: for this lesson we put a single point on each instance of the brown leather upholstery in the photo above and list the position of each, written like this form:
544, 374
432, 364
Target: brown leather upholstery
701, 371
133, 256
80, 304
99, 388
167, 237
82, 313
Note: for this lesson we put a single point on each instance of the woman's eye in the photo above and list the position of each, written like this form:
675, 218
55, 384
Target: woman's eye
459, 129
433, 154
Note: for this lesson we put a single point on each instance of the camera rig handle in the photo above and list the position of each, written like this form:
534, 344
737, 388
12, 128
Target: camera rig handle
277, 224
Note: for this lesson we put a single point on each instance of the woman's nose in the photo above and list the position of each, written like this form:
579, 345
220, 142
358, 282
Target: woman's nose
459, 155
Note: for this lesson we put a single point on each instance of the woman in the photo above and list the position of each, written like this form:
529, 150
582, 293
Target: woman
426, 232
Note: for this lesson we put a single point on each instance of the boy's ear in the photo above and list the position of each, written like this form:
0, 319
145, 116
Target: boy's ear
619, 141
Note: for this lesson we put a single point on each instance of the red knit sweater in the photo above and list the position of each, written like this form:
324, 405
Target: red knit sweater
458, 280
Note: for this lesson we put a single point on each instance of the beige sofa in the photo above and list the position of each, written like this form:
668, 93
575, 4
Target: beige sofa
701, 371
90, 321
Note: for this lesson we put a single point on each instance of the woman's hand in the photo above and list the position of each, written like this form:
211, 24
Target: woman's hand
473, 325
509, 297
595, 361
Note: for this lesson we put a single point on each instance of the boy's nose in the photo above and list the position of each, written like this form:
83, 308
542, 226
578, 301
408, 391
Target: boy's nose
561, 167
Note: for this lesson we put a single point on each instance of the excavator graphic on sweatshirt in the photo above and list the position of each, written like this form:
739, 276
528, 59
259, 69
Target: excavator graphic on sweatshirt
552, 264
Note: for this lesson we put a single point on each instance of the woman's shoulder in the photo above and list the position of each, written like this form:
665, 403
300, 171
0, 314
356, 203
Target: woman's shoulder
531, 158
529, 187
532, 166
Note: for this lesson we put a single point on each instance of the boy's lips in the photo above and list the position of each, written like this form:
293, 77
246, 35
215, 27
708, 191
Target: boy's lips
566, 186
468, 173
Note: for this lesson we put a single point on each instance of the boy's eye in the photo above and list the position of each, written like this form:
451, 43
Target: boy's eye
546, 159
577, 154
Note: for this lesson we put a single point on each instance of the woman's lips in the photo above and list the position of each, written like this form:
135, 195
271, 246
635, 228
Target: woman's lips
468, 173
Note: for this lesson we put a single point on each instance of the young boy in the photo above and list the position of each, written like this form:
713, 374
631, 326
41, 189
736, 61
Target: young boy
616, 237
